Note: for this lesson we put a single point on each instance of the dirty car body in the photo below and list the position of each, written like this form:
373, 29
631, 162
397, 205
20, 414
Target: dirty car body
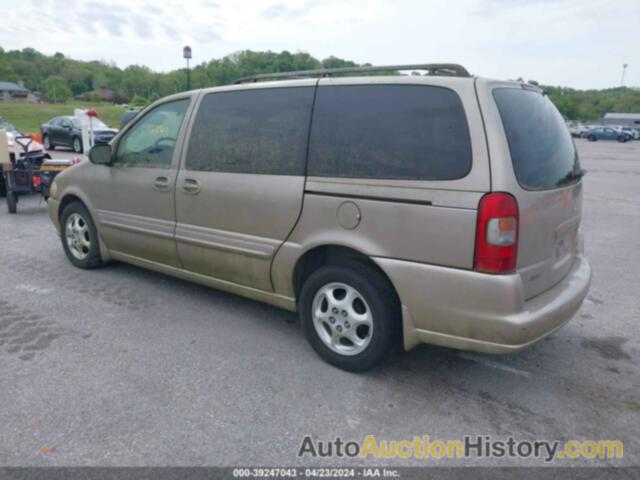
423, 209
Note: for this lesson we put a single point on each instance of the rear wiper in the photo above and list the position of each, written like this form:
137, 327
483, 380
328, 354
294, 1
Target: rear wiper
581, 172
573, 175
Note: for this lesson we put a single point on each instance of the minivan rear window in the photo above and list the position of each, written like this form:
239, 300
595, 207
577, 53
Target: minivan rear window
542, 151
399, 132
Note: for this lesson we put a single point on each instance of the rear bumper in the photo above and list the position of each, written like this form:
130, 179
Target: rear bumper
480, 312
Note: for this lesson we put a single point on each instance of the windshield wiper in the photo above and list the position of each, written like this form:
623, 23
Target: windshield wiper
573, 175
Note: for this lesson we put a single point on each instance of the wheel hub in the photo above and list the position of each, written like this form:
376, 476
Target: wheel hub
77, 236
342, 318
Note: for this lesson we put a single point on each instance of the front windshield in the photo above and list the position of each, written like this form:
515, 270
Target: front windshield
95, 123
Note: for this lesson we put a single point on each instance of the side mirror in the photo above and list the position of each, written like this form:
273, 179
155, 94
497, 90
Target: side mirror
100, 154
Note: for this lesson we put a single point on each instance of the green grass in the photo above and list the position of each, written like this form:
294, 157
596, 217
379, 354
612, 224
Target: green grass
27, 117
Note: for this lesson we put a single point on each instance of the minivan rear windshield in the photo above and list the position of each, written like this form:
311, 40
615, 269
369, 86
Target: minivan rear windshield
542, 151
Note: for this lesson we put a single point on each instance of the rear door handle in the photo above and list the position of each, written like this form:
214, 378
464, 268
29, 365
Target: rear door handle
161, 184
191, 186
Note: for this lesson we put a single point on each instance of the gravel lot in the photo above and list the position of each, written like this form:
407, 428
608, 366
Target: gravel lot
121, 366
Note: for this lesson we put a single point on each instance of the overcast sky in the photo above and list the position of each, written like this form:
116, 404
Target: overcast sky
576, 43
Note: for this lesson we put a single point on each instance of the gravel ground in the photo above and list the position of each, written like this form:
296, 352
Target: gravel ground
121, 366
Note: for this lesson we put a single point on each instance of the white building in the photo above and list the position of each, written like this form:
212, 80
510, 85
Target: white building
624, 119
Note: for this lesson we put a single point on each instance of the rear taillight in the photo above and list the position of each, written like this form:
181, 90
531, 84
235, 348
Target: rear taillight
496, 234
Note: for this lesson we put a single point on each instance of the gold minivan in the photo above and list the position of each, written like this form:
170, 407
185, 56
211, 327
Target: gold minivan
386, 210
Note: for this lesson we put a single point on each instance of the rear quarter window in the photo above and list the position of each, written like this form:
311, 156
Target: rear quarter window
542, 151
400, 132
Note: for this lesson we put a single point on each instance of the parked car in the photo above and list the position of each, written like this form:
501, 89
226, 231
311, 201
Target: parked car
36, 150
66, 132
632, 132
606, 133
386, 211
587, 129
576, 129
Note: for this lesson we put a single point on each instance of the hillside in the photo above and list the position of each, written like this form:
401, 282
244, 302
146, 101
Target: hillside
63, 78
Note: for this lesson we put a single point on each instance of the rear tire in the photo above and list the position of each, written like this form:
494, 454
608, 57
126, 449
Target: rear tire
77, 145
80, 237
622, 139
12, 202
354, 301
591, 138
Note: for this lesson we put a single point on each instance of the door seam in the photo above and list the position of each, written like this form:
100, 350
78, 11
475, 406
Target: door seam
304, 189
181, 158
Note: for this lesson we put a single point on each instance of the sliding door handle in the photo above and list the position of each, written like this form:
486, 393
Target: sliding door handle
191, 186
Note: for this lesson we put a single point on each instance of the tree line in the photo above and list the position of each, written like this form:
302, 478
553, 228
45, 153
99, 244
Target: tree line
60, 78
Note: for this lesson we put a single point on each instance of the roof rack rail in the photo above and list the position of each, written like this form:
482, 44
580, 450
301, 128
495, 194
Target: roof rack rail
440, 69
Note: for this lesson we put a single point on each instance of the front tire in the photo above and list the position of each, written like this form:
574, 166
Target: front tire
350, 315
622, 139
79, 237
77, 145
591, 138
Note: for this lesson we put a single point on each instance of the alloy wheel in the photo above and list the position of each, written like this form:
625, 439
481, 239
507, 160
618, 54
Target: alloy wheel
342, 318
78, 236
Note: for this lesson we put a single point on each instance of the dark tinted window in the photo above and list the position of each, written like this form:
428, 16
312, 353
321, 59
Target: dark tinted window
252, 131
542, 151
407, 132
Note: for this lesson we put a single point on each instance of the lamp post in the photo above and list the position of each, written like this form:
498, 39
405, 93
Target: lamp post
186, 53
624, 69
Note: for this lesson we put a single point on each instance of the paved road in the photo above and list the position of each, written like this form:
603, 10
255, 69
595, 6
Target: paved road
120, 366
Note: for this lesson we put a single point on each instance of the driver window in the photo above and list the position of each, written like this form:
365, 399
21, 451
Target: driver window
151, 141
